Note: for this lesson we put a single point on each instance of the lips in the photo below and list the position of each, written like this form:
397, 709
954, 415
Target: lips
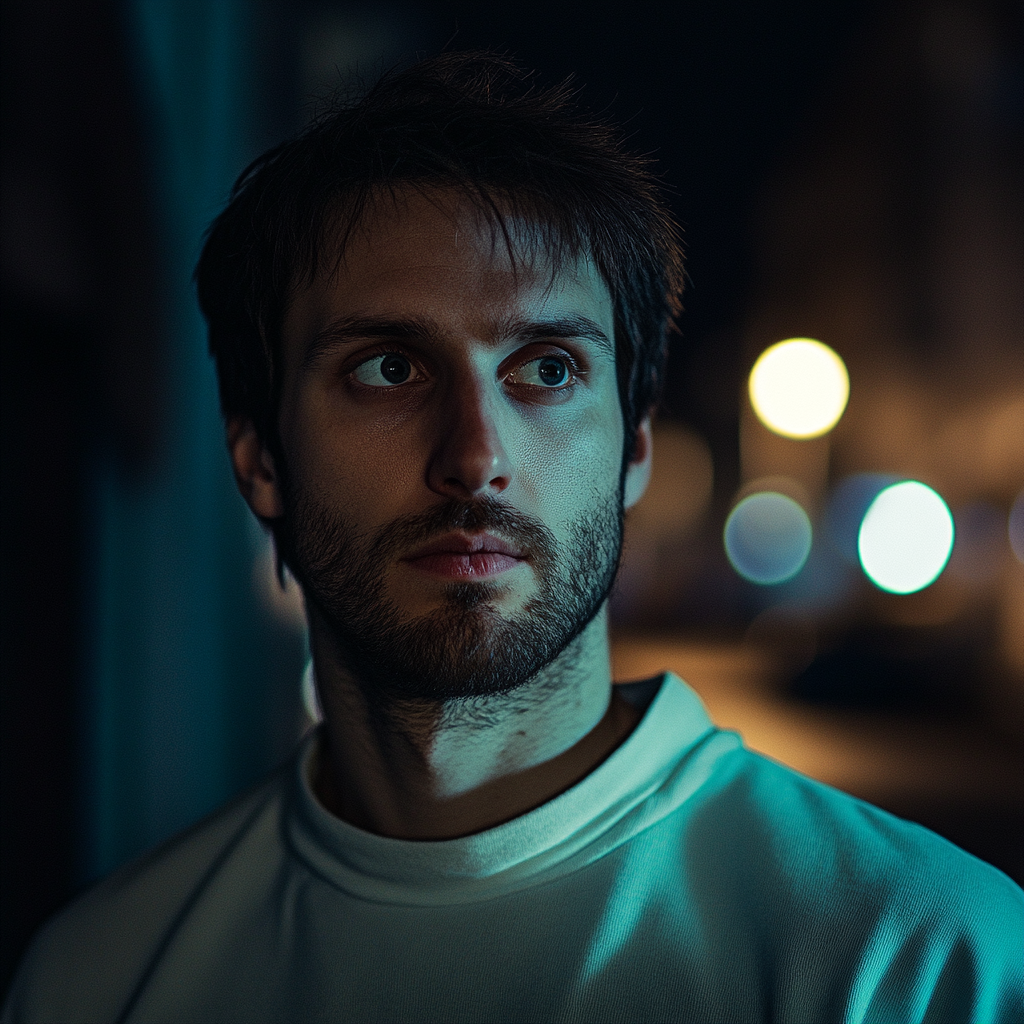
461, 555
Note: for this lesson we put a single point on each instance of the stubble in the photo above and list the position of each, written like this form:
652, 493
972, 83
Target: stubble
465, 648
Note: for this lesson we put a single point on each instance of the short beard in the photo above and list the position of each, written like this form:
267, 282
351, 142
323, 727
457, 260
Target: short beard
465, 649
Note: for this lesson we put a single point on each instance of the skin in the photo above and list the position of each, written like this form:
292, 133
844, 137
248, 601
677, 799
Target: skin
474, 419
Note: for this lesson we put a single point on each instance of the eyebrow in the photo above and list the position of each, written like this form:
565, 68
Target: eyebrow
352, 328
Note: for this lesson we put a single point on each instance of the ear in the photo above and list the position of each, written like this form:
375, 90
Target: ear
254, 469
638, 472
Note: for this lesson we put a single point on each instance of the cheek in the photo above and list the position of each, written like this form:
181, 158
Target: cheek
570, 465
366, 467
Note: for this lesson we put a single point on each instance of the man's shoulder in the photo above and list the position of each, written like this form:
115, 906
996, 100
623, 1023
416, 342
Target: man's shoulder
825, 845
845, 897
749, 818
101, 943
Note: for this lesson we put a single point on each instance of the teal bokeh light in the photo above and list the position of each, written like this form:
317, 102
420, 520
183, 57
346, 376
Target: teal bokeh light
768, 538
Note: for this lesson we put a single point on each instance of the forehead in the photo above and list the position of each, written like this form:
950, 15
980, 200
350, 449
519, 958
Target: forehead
436, 254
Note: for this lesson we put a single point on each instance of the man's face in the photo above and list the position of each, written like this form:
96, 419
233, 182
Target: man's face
453, 440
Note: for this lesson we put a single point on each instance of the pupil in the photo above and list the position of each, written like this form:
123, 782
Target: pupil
552, 371
394, 369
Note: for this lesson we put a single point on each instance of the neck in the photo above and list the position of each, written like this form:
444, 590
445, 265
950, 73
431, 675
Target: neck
434, 770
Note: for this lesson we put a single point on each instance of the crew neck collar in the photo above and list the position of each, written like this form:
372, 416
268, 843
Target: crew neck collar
603, 810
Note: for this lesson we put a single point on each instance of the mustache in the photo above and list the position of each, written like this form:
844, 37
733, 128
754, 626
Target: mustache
487, 514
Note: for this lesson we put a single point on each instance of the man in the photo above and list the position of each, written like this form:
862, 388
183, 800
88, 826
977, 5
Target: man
439, 318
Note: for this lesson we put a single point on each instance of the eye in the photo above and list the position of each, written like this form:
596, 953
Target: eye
385, 370
546, 372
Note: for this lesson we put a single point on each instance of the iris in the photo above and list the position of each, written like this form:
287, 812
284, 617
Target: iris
395, 368
552, 371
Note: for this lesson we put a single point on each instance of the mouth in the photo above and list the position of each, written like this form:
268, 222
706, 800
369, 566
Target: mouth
466, 555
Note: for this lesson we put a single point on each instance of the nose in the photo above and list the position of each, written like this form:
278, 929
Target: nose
469, 458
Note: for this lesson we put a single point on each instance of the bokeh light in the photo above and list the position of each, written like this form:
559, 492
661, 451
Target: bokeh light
906, 537
799, 388
767, 537
1016, 527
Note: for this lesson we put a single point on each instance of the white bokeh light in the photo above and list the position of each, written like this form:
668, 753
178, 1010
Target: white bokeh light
799, 388
905, 538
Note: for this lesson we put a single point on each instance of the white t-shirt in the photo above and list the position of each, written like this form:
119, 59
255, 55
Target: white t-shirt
684, 879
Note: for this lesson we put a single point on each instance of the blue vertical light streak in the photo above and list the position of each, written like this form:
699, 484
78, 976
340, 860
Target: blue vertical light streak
171, 549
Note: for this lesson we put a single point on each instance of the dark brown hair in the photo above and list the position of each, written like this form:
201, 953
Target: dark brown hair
473, 122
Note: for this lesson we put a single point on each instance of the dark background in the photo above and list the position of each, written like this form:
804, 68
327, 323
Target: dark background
123, 127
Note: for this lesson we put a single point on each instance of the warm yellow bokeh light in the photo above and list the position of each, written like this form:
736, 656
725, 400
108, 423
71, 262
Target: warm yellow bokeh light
799, 388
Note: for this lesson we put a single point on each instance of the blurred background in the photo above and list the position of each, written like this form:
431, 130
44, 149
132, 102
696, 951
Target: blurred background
848, 172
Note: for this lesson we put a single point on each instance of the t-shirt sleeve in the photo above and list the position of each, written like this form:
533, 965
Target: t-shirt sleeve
89, 961
962, 966
894, 924
948, 947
